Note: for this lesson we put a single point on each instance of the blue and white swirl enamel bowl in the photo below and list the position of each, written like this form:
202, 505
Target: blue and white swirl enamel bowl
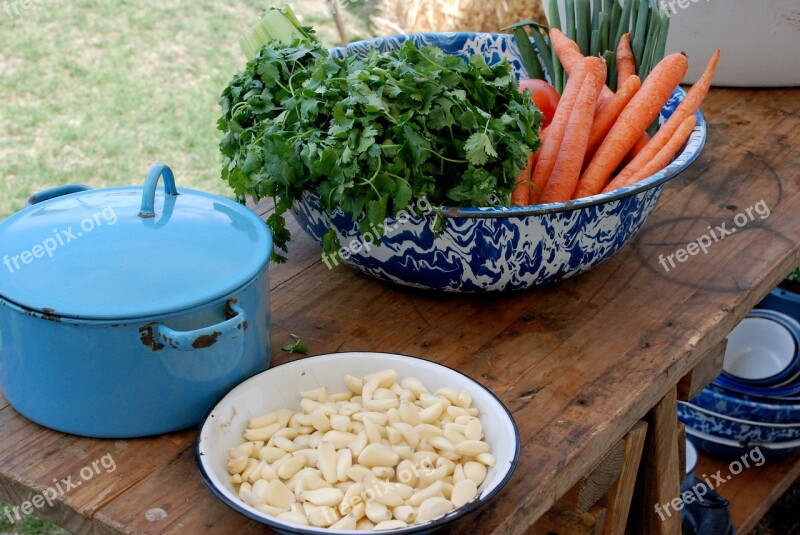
497, 248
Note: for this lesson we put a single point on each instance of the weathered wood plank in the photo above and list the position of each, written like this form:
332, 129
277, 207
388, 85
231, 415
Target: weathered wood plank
591, 487
618, 499
560, 521
709, 369
659, 475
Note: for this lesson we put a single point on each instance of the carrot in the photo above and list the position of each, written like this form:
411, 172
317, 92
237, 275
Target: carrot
521, 196
632, 122
555, 132
607, 114
569, 53
640, 144
663, 158
568, 165
688, 106
626, 65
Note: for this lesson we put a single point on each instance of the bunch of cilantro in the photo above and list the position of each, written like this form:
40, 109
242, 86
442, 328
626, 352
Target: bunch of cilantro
370, 135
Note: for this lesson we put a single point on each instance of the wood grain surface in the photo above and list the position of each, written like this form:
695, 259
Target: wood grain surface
578, 363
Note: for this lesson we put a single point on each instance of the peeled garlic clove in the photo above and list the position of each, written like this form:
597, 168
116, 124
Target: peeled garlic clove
327, 461
378, 455
472, 447
464, 492
475, 471
279, 495
377, 512
433, 508
330, 496
347, 522
486, 458
406, 513
294, 518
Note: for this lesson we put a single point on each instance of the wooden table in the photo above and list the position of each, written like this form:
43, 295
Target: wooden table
579, 363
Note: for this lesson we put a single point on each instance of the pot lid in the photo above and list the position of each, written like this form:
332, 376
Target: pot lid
131, 252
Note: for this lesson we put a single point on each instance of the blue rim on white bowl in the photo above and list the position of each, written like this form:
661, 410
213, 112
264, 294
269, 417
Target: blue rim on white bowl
279, 387
763, 350
494, 248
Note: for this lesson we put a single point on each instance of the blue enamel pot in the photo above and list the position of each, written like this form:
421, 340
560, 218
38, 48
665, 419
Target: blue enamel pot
128, 312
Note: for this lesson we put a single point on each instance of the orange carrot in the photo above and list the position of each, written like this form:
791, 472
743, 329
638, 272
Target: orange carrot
626, 65
640, 144
664, 156
607, 114
688, 106
569, 53
632, 122
521, 196
568, 165
555, 132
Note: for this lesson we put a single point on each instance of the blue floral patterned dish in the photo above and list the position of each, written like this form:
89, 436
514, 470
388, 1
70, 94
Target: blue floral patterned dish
496, 248
721, 426
731, 448
767, 411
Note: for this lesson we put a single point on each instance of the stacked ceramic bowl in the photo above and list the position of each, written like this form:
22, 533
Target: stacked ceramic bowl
755, 402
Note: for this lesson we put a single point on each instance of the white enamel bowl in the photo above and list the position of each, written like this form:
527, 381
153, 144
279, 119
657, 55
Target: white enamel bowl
279, 387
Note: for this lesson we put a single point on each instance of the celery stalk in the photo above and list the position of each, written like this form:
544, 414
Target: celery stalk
277, 24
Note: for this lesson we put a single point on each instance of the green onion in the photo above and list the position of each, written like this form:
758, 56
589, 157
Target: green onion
595, 46
570, 11
653, 30
277, 24
544, 53
661, 44
640, 33
624, 22
528, 55
604, 22
583, 19
558, 70
611, 63
597, 8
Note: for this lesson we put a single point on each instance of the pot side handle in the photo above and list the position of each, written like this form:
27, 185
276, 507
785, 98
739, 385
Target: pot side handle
57, 191
157, 335
147, 209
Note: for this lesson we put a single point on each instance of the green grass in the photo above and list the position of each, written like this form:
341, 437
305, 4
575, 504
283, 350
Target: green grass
96, 92
27, 525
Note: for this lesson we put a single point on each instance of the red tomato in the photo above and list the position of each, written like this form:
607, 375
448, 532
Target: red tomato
544, 96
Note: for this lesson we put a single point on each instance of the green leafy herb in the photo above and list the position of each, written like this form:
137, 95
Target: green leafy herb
296, 346
369, 134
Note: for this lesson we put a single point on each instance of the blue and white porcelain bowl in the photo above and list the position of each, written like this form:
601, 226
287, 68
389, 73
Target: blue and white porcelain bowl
746, 408
718, 425
731, 448
497, 248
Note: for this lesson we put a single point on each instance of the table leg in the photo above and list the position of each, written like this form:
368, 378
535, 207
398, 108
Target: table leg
656, 507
